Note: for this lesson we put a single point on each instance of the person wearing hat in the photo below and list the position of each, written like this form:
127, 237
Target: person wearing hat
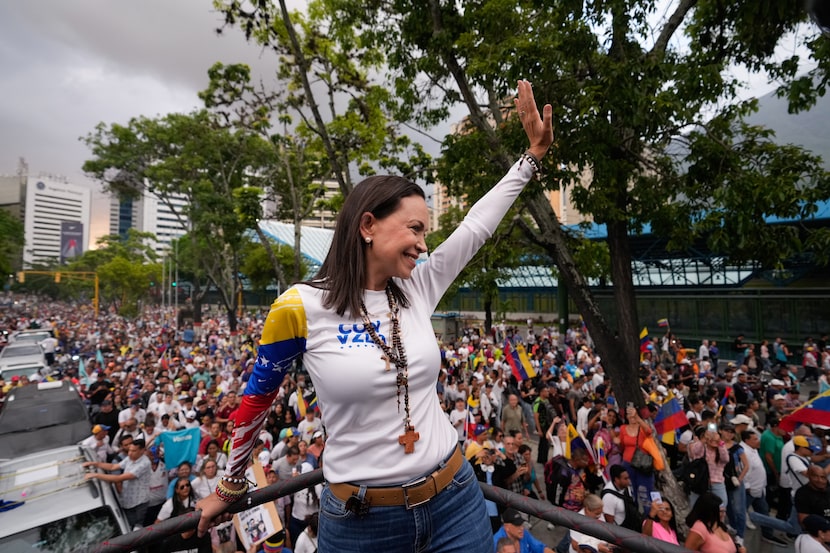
514, 529
133, 411
795, 460
810, 364
817, 536
317, 445
742, 422
99, 442
741, 388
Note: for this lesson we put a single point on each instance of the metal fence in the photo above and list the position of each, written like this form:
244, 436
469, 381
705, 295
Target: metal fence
615, 535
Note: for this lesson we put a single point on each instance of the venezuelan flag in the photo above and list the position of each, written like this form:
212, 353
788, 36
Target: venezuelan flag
670, 417
644, 340
662, 322
521, 368
573, 441
602, 452
302, 407
525, 361
312, 405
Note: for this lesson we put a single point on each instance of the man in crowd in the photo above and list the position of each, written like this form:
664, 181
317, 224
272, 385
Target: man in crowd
133, 479
514, 529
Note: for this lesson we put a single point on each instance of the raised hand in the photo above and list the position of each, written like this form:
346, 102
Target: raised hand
539, 129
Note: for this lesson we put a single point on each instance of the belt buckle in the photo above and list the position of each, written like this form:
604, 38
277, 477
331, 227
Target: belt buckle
412, 484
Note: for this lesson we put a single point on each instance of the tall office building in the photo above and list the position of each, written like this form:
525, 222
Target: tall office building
56, 217
148, 214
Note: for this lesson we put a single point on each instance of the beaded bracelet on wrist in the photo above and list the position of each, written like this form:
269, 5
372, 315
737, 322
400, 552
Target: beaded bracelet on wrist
534, 162
228, 495
234, 479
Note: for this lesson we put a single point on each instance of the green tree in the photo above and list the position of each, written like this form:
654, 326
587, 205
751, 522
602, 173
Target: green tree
126, 267
193, 164
630, 88
292, 180
349, 118
257, 265
11, 246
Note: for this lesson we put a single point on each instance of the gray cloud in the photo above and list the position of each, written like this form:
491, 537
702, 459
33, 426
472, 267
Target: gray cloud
70, 65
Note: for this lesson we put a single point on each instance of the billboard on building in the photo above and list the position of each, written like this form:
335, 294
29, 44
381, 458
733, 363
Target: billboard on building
72, 239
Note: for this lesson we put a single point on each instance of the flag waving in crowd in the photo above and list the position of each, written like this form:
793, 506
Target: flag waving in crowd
668, 419
516, 357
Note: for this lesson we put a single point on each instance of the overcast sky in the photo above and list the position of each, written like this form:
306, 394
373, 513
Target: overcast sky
68, 65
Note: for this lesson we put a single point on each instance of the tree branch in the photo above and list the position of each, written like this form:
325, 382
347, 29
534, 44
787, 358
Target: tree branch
671, 26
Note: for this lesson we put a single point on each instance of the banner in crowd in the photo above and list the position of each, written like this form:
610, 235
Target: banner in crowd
182, 445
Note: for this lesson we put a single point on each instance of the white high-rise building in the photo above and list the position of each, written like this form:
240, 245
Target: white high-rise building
56, 219
148, 214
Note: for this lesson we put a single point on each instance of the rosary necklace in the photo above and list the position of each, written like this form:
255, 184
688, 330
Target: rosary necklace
397, 355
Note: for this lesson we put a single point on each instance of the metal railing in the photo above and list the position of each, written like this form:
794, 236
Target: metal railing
610, 533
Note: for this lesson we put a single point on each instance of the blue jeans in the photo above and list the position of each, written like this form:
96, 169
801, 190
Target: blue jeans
454, 521
642, 484
760, 516
736, 509
717, 488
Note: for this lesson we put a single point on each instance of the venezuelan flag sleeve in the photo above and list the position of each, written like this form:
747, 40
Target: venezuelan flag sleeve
283, 340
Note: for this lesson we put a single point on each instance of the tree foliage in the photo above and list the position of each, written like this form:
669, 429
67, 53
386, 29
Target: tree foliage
194, 165
644, 108
11, 229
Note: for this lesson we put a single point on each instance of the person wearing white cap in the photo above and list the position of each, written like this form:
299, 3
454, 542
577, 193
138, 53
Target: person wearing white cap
742, 419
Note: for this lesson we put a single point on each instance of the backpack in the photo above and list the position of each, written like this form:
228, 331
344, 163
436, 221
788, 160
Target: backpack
695, 476
633, 520
730, 470
543, 408
555, 469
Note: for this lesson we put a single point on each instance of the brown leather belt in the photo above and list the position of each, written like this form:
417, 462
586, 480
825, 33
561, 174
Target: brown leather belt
410, 494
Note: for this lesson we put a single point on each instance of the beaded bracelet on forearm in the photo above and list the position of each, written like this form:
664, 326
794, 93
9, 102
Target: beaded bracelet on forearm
228, 495
534, 163
234, 479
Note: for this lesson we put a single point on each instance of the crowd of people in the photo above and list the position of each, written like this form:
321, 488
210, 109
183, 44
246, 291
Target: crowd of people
143, 378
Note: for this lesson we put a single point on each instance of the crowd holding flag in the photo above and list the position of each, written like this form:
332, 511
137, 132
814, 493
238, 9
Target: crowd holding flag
725, 399
645, 342
815, 411
304, 406
668, 419
473, 405
516, 357
84, 377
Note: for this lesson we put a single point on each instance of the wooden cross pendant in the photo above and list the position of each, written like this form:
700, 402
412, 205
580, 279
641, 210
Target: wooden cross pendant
408, 439
386, 358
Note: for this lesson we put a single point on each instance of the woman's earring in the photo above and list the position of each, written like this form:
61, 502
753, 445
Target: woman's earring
368, 240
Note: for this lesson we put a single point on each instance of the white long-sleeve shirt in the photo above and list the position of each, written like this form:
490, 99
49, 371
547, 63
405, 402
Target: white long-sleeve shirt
355, 392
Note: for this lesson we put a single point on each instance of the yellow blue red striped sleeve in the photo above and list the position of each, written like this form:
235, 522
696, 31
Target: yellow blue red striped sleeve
283, 340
